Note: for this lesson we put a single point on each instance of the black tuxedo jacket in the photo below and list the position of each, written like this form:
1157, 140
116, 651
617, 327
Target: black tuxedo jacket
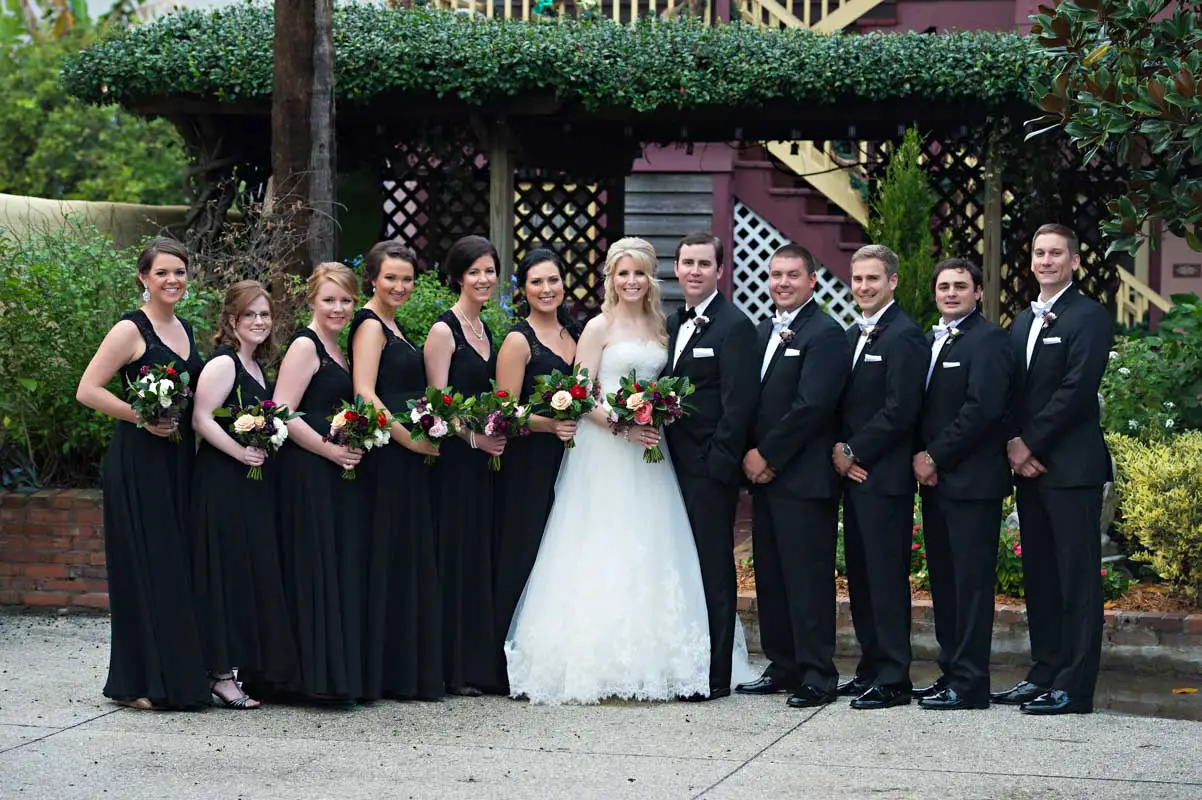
1055, 400
711, 440
882, 401
797, 422
963, 413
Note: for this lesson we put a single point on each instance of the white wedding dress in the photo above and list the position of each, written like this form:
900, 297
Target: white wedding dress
614, 606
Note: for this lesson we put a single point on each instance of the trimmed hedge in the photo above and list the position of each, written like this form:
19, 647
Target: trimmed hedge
655, 64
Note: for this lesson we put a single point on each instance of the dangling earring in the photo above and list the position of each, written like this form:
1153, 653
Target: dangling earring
145, 293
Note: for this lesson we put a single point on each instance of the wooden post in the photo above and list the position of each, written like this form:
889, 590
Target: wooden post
991, 266
323, 229
501, 200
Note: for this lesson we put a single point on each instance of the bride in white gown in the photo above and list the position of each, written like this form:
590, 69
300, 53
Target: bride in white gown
614, 606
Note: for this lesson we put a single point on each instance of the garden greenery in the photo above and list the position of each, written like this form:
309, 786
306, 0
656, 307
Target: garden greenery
654, 64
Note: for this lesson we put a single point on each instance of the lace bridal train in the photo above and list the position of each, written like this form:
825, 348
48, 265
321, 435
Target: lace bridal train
614, 606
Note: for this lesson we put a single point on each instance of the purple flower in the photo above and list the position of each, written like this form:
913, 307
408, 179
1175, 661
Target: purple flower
427, 422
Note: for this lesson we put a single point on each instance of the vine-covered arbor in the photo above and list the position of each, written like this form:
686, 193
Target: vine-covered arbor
526, 129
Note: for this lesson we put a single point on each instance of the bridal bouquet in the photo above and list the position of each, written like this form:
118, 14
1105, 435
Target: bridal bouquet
431, 415
160, 394
263, 425
659, 403
359, 426
495, 413
567, 397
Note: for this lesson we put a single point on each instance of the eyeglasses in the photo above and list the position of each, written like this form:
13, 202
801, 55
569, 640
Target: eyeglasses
254, 315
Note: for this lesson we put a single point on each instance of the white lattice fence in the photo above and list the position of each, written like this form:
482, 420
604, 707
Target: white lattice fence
755, 242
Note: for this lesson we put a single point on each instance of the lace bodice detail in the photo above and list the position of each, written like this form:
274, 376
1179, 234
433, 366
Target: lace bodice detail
646, 358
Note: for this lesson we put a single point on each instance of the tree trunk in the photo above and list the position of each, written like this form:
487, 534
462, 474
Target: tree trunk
302, 128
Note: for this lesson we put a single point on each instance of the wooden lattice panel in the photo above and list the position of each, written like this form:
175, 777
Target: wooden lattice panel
755, 240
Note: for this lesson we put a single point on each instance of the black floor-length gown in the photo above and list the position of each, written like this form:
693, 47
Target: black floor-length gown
463, 509
525, 490
322, 540
402, 642
243, 616
155, 651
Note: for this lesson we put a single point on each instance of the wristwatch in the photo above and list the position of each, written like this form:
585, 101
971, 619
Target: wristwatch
847, 453
927, 458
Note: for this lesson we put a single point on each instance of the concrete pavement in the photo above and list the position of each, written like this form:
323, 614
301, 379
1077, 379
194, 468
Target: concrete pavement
59, 738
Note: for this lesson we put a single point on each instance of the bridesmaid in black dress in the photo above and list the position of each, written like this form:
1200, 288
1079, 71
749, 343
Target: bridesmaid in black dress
320, 520
458, 353
155, 656
236, 557
402, 643
544, 341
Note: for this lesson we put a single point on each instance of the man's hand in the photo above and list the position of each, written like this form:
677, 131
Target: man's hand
857, 473
1022, 460
842, 462
756, 468
924, 469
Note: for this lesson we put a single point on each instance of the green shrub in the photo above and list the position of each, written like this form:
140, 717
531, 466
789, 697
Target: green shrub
1160, 496
60, 292
1153, 384
431, 299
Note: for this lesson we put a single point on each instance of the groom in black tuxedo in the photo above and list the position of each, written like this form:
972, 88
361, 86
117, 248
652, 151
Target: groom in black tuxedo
1060, 346
880, 410
712, 343
804, 361
964, 475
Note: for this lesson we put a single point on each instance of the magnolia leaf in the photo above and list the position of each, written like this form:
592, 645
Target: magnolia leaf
1096, 54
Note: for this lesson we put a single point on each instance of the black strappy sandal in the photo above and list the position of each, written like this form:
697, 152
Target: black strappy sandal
240, 703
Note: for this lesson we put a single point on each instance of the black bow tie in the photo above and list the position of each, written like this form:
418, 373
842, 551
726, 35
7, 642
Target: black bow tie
686, 314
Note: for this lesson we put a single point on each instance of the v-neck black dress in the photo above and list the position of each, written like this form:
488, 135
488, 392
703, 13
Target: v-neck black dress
463, 508
322, 542
155, 651
236, 555
402, 643
525, 490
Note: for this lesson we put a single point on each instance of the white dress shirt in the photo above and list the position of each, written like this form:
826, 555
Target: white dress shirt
1037, 327
780, 322
940, 341
689, 326
863, 340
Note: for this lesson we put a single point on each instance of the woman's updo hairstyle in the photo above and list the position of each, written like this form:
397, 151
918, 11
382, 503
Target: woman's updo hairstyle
462, 255
377, 255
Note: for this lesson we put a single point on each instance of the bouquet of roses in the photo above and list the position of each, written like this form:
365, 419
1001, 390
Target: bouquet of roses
359, 426
495, 413
263, 425
560, 396
657, 402
431, 415
160, 394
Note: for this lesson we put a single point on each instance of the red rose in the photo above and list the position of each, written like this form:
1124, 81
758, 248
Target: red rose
578, 392
351, 416
170, 371
502, 393
638, 388
382, 420
446, 399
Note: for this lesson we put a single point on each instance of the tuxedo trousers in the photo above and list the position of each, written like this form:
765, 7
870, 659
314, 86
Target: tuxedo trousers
711, 507
1062, 557
961, 544
794, 543
877, 533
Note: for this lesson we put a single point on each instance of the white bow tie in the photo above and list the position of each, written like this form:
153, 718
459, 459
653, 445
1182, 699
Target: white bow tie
1040, 309
941, 331
866, 327
780, 321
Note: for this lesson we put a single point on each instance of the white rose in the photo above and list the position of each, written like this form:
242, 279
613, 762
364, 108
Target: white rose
244, 424
165, 386
279, 424
382, 437
165, 402
260, 422
415, 417
438, 429
561, 400
635, 401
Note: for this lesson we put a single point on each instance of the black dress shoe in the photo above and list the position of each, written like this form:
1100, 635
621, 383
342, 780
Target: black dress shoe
948, 699
1057, 701
935, 688
764, 685
853, 686
1018, 694
714, 694
882, 697
810, 697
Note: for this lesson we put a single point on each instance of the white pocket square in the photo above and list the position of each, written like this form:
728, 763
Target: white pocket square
950, 364
871, 357
1051, 340
791, 353
703, 352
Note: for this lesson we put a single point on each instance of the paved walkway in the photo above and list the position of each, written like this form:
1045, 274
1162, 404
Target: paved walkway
60, 739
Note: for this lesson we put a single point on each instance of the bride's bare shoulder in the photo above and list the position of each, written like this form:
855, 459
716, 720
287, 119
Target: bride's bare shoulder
596, 329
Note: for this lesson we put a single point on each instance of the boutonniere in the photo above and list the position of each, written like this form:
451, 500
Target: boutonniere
1048, 319
699, 322
954, 334
786, 335
873, 332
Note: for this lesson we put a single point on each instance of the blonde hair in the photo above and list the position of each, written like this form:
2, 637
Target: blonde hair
643, 254
339, 274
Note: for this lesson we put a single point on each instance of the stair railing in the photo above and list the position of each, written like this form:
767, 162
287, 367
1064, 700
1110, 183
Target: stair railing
1135, 299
